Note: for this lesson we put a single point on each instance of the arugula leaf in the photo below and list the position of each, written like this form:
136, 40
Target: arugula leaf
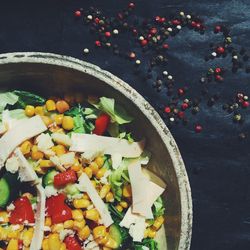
116, 215
27, 98
150, 243
158, 207
7, 98
116, 112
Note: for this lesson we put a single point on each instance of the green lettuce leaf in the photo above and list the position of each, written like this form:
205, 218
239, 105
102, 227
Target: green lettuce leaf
7, 98
116, 112
150, 243
158, 207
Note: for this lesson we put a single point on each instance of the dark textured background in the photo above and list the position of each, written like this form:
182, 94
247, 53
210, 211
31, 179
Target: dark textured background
218, 164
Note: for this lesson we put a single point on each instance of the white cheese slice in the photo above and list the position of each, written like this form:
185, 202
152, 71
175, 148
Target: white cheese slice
67, 159
107, 145
12, 164
135, 223
44, 142
37, 239
26, 171
85, 185
116, 160
89, 156
63, 139
144, 191
24, 130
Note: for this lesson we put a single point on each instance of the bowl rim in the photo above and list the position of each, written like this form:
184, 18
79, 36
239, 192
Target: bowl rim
142, 104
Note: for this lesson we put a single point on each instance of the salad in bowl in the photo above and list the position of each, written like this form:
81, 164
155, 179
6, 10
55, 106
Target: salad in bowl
72, 176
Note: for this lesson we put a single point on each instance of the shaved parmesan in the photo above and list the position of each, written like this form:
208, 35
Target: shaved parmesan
24, 130
12, 165
116, 160
37, 239
89, 156
135, 223
85, 185
56, 160
63, 139
107, 145
26, 171
67, 160
141, 185
44, 142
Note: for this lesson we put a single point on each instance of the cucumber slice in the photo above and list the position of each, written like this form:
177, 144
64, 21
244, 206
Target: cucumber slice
116, 234
71, 189
48, 178
4, 192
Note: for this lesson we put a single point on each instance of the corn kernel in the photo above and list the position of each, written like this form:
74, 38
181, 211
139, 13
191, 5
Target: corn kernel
78, 225
29, 110
48, 221
46, 164
57, 228
124, 204
103, 240
99, 231
50, 105
76, 166
106, 248
47, 120
92, 214
13, 245
26, 147
39, 110
62, 106
58, 119
27, 237
111, 243
99, 161
68, 224
119, 208
146, 233
3, 233
77, 214
35, 154
151, 233
84, 233
63, 246
93, 183
88, 172
54, 242
104, 190
81, 203
126, 191
158, 222
94, 167
85, 196
109, 197
59, 150
100, 173
45, 244
68, 123
4, 217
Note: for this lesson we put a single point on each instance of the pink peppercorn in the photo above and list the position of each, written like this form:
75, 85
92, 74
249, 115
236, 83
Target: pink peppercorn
144, 42
77, 13
220, 50
167, 110
245, 104
184, 106
198, 128
97, 43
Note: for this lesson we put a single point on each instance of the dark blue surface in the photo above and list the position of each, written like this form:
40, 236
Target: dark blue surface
218, 164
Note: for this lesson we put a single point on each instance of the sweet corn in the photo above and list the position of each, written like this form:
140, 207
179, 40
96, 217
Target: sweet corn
57, 228
62, 106
104, 190
119, 208
48, 221
35, 154
77, 214
26, 147
99, 161
106, 248
94, 167
4, 217
39, 110
68, 123
59, 150
81, 203
46, 164
102, 240
45, 244
111, 243
3, 233
13, 234
151, 233
124, 204
93, 183
78, 225
146, 233
54, 242
29, 110
27, 237
99, 232
13, 245
126, 191
158, 222
92, 214
63, 246
100, 173
85, 196
84, 233
50, 105
109, 197
88, 171
76, 166
58, 119
68, 224
47, 120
